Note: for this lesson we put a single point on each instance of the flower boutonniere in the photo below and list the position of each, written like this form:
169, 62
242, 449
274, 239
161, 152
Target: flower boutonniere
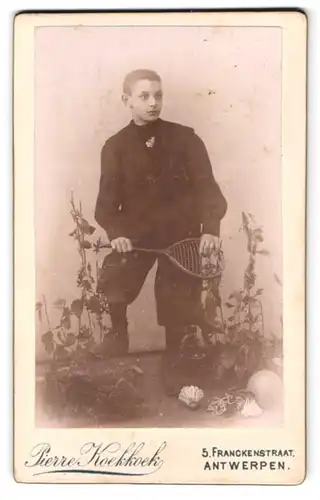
150, 142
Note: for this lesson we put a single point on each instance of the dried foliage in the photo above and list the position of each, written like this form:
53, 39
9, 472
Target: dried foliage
234, 347
75, 339
76, 383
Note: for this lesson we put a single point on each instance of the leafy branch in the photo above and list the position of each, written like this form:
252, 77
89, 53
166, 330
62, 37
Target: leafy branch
88, 310
244, 329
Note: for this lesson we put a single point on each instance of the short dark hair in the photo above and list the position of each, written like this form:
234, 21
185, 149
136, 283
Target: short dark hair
136, 75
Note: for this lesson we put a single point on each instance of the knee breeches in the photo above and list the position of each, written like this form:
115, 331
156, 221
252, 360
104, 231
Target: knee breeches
178, 295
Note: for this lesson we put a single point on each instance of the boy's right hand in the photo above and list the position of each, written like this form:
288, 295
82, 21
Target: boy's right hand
122, 244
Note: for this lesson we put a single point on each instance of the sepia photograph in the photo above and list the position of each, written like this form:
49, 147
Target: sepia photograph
169, 151
158, 203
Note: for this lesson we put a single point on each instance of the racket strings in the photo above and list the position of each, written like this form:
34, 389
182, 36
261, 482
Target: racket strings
187, 255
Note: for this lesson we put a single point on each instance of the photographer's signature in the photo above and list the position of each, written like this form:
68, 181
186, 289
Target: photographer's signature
98, 458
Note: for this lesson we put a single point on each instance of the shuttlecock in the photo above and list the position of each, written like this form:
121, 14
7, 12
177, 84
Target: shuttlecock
251, 409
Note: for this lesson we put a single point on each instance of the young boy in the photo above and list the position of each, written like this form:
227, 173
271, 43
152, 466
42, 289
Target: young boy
156, 188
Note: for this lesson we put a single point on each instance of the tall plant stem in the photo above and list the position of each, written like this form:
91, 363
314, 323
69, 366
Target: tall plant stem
101, 329
79, 330
46, 311
261, 314
250, 312
97, 269
90, 322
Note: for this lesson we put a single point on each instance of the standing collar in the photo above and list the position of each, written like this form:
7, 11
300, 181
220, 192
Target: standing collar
150, 127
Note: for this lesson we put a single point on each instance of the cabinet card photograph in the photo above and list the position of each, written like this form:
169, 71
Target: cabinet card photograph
159, 170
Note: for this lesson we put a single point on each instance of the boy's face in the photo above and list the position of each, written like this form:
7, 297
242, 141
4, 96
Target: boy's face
145, 101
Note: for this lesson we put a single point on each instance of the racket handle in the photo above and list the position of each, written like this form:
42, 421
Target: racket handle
108, 245
105, 245
147, 250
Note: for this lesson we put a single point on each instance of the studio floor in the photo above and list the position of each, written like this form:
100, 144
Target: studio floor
155, 410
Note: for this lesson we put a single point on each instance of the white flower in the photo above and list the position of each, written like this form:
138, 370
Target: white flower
150, 142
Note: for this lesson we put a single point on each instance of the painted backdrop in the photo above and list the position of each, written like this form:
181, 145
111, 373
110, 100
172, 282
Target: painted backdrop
224, 82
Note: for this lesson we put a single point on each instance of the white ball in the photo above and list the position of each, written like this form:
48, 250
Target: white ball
267, 388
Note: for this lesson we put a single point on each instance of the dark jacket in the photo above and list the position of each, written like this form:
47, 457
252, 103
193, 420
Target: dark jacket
167, 191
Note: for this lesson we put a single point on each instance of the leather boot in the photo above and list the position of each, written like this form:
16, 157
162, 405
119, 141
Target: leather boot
117, 340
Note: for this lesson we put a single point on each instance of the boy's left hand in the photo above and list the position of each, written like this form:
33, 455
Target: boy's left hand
208, 242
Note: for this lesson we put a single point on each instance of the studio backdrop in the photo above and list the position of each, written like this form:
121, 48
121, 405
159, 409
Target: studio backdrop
224, 82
